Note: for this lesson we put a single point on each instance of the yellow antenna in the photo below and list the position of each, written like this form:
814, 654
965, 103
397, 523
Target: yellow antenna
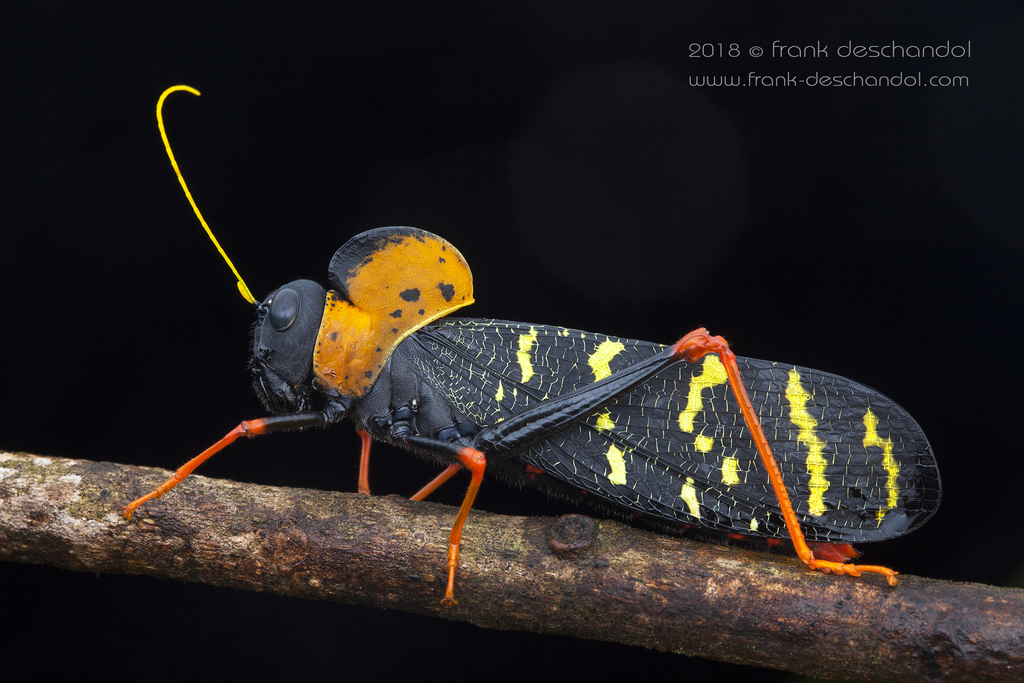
170, 155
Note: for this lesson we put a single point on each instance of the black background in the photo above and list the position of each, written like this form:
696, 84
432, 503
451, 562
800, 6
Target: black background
870, 232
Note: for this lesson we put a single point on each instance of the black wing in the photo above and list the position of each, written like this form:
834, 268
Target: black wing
856, 465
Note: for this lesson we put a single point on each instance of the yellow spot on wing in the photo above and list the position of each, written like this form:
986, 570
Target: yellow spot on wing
711, 373
617, 461
730, 469
526, 342
599, 359
604, 421
689, 496
753, 523
871, 438
798, 398
500, 393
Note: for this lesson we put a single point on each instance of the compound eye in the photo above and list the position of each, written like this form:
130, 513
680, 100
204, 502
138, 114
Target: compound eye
284, 309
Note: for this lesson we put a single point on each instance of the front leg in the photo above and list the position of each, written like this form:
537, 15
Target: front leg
248, 429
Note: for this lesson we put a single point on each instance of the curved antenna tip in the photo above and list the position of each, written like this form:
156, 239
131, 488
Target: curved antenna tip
242, 288
176, 88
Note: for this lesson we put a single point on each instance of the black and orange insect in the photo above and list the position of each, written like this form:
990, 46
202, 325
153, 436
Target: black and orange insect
688, 434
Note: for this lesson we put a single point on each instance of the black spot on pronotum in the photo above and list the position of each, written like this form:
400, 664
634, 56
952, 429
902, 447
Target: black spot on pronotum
396, 314
394, 330
410, 295
447, 291
441, 259
378, 349
334, 336
369, 374
421, 311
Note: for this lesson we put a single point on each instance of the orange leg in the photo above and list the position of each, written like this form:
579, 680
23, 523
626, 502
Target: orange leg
448, 473
249, 428
364, 462
474, 461
695, 346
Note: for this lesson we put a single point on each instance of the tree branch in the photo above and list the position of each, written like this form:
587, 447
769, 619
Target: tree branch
600, 580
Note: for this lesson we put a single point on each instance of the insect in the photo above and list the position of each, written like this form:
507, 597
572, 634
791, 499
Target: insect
687, 434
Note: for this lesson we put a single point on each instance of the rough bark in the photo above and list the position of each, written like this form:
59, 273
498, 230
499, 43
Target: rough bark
575, 576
